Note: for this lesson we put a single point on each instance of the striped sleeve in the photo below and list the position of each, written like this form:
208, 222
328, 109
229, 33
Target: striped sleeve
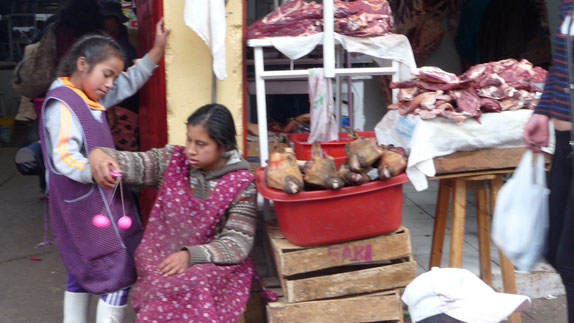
233, 244
142, 168
66, 143
555, 100
545, 103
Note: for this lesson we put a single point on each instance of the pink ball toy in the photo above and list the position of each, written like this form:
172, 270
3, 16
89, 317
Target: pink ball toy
125, 222
101, 221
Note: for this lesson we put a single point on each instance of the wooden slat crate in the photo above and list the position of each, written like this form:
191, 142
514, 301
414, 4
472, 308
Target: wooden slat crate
354, 267
376, 307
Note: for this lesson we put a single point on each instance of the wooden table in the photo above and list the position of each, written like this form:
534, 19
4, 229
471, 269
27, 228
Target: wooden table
483, 169
485, 161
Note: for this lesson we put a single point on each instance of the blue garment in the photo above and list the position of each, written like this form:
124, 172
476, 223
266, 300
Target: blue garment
469, 29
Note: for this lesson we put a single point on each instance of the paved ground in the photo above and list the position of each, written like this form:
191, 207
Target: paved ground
418, 216
32, 280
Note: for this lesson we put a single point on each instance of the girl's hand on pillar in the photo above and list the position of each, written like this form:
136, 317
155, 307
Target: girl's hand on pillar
160, 42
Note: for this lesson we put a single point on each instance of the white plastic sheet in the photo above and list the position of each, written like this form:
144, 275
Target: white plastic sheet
426, 139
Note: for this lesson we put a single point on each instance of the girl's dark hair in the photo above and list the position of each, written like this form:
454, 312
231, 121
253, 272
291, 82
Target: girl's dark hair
80, 17
218, 122
94, 48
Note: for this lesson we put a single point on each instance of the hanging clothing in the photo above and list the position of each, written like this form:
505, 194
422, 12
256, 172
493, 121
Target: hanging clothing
506, 28
207, 20
469, 30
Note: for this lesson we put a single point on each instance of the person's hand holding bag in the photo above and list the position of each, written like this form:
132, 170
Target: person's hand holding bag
536, 134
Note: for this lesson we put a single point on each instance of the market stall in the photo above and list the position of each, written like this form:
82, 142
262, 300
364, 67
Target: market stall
317, 210
393, 48
488, 98
458, 129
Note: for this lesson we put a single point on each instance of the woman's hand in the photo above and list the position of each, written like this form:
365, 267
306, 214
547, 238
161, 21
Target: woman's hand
536, 132
177, 263
160, 41
102, 165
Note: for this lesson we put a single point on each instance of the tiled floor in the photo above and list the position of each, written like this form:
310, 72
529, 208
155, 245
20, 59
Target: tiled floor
418, 216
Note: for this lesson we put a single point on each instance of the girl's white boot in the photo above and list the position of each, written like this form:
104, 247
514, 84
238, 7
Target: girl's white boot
76, 307
109, 313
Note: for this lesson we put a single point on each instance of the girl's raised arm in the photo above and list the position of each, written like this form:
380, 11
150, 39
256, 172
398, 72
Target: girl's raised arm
129, 82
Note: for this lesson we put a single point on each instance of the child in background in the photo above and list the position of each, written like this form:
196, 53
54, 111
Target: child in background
98, 260
193, 263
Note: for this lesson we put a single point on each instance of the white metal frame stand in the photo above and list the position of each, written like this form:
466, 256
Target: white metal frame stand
331, 71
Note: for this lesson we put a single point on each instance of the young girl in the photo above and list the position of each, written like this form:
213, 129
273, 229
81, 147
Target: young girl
192, 263
98, 260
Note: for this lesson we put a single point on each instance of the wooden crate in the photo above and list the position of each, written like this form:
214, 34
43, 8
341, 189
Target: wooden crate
376, 307
355, 267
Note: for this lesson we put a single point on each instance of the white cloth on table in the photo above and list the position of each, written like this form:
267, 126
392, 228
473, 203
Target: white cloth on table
427, 139
207, 20
323, 124
390, 47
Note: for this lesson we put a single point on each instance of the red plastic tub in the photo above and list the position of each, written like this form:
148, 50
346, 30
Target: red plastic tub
326, 216
334, 148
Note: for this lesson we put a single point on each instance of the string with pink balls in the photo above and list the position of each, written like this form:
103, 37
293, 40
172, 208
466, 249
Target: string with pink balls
124, 222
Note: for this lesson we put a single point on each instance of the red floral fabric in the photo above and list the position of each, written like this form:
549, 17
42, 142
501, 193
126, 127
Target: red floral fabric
205, 292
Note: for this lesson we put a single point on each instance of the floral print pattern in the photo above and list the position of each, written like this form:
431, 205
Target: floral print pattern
204, 292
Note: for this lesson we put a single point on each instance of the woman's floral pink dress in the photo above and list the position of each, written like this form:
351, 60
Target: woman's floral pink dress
205, 292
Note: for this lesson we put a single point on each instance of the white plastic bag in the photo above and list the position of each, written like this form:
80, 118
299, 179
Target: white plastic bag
323, 124
520, 221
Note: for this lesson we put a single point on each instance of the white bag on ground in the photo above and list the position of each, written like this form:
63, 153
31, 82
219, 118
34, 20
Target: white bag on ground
520, 221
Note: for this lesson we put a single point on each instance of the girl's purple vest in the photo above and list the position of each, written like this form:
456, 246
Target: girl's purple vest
100, 260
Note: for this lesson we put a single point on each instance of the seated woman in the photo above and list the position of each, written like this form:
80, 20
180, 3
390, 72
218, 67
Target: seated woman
193, 261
